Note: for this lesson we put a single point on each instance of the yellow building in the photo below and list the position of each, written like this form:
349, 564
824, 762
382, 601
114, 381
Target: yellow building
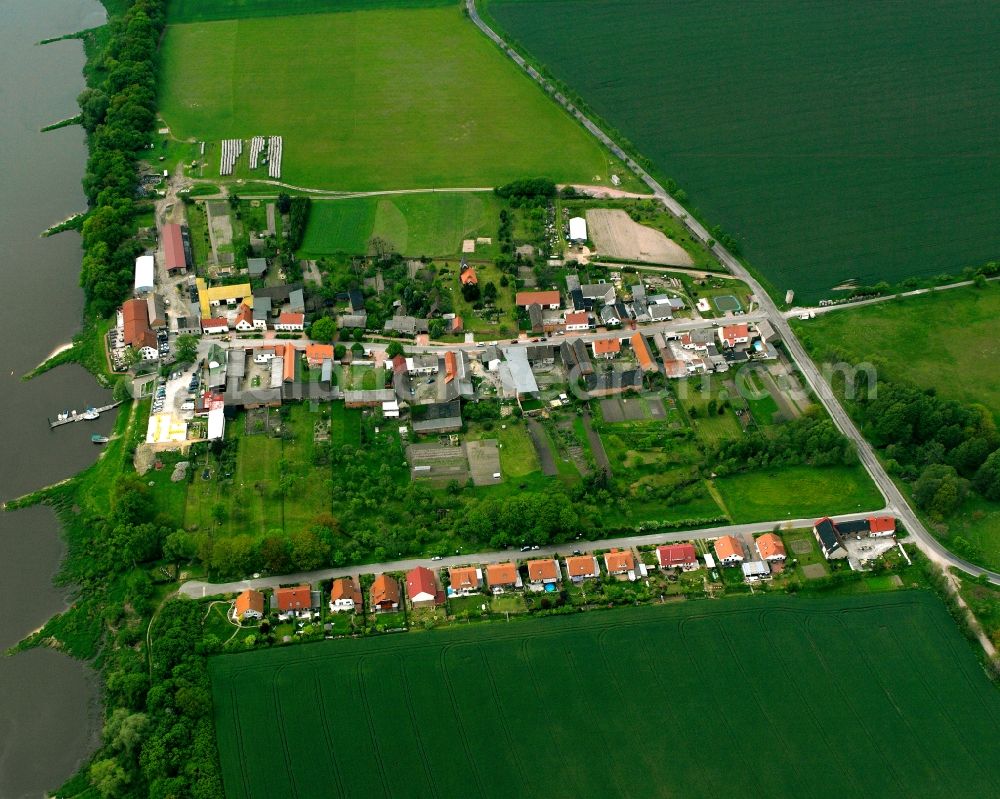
207, 297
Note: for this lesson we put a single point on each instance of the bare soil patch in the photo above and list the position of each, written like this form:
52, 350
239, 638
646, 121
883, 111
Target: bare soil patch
617, 236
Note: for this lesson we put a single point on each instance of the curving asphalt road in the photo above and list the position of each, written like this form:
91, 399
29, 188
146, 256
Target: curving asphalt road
199, 588
895, 500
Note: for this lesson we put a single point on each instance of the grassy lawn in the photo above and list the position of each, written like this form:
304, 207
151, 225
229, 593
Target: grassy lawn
517, 453
379, 98
471, 606
836, 133
534, 685
794, 492
508, 603
801, 538
946, 340
431, 225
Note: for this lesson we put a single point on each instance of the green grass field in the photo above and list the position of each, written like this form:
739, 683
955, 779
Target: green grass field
832, 144
415, 224
945, 340
874, 695
209, 10
795, 492
383, 98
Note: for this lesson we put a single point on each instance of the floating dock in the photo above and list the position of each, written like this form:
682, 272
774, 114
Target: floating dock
82, 416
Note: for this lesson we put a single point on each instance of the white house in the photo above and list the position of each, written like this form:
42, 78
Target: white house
577, 229
217, 325
390, 409
244, 319
577, 321
422, 364
290, 322
145, 267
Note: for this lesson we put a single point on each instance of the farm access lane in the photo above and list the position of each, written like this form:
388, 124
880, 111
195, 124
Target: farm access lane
896, 502
199, 588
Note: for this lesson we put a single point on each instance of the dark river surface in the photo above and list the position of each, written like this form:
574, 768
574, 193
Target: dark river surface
49, 710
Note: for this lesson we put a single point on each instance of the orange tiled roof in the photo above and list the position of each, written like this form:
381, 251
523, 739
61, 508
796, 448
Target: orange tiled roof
727, 547
463, 577
501, 574
770, 546
580, 566
539, 570
249, 600
619, 561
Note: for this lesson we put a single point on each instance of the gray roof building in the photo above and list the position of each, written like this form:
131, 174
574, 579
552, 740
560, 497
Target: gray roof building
256, 266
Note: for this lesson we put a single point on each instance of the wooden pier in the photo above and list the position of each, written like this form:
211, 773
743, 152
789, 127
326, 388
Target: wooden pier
79, 416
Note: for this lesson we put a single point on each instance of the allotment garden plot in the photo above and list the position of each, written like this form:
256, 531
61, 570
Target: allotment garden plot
874, 695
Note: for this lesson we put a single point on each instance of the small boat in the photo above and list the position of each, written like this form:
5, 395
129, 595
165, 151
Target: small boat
96, 439
91, 413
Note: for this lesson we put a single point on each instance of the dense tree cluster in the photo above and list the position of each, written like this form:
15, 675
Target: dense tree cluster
527, 191
119, 110
298, 219
944, 447
812, 440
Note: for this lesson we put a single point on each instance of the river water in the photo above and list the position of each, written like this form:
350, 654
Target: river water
49, 710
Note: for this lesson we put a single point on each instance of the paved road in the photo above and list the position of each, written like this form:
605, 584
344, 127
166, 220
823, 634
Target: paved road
198, 588
896, 502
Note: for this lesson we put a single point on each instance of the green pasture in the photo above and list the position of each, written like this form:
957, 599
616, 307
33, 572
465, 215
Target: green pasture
372, 99
432, 224
944, 340
581, 705
796, 492
833, 145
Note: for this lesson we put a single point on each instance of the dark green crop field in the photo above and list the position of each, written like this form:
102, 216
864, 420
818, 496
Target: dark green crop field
835, 697
834, 140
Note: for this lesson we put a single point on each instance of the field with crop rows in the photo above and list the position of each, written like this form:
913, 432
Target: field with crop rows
833, 144
778, 697
389, 98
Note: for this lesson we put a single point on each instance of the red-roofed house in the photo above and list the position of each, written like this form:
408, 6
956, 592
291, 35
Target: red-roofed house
503, 577
399, 364
880, 526
729, 550
345, 595
642, 354
317, 353
297, 600
577, 321
677, 556
464, 580
136, 331
731, 335
290, 322
422, 588
217, 325
249, 605
457, 325
173, 248
606, 347
450, 366
289, 357
469, 277
541, 572
547, 299
770, 547
244, 318
619, 561
383, 596
582, 567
